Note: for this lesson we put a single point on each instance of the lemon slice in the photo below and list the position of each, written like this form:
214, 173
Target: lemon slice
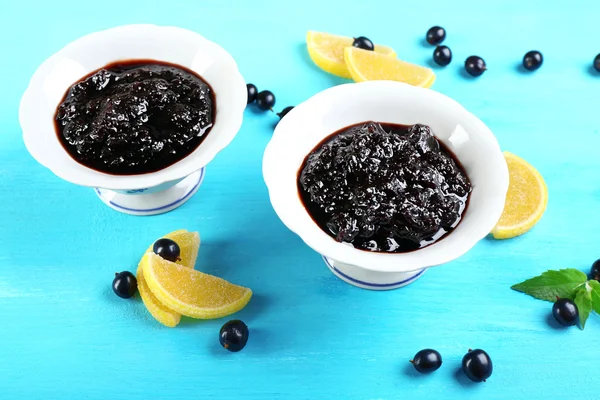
526, 199
190, 292
188, 242
367, 65
159, 311
327, 51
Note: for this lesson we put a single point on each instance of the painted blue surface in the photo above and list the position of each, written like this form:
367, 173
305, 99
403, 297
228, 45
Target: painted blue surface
65, 335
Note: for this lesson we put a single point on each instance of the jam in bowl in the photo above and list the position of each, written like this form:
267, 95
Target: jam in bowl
385, 188
385, 180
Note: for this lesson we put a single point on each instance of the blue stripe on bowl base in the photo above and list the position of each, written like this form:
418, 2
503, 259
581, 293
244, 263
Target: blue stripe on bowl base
200, 178
373, 285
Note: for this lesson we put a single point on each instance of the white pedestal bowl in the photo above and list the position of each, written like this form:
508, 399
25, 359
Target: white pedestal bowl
144, 194
388, 102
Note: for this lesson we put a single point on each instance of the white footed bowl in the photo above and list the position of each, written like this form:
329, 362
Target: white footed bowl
390, 102
144, 194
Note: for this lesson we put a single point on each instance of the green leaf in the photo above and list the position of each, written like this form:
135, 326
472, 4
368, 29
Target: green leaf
595, 285
583, 300
550, 284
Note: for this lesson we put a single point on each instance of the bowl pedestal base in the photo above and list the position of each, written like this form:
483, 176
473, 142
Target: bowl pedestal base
152, 201
373, 280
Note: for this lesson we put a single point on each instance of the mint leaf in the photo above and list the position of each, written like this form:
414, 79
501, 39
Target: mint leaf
550, 284
583, 300
595, 285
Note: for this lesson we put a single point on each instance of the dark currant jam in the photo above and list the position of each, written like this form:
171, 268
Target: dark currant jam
384, 187
134, 117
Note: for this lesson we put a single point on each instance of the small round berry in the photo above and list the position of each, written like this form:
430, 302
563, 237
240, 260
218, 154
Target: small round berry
167, 249
475, 65
125, 284
234, 335
597, 63
435, 35
532, 60
363, 43
442, 55
427, 361
265, 100
252, 92
477, 365
284, 112
565, 311
596, 270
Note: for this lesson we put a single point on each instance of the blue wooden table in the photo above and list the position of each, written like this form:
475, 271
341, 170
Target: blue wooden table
65, 335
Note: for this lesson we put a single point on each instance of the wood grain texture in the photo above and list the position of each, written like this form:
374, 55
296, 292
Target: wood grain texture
65, 334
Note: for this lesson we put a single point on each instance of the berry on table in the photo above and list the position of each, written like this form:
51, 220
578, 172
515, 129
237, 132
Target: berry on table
532, 60
475, 65
477, 365
125, 284
265, 100
363, 43
435, 35
596, 270
284, 112
234, 335
427, 361
565, 311
597, 63
167, 249
252, 92
442, 55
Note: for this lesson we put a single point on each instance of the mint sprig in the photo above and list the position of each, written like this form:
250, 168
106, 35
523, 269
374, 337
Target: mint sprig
562, 283
566, 283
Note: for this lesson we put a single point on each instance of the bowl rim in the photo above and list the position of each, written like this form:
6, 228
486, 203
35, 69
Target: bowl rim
84, 176
346, 253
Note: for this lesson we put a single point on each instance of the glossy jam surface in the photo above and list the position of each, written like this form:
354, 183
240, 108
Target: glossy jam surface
135, 117
384, 187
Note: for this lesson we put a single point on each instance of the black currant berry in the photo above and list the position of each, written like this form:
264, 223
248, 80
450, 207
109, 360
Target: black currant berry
252, 92
363, 43
435, 35
284, 112
597, 63
167, 249
442, 55
477, 365
234, 335
565, 311
532, 60
475, 65
265, 100
595, 273
125, 284
426, 361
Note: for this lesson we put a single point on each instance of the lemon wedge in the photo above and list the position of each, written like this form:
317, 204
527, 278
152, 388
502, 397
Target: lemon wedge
159, 311
189, 243
367, 65
190, 292
327, 52
526, 199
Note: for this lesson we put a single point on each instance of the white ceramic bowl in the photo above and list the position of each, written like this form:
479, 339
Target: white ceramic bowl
385, 101
144, 194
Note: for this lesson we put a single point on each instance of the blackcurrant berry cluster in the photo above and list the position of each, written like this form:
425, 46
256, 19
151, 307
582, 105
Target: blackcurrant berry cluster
476, 364
475, 65
265, 100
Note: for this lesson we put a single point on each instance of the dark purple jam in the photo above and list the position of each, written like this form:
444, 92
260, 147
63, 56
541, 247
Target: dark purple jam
135, 117
384, 187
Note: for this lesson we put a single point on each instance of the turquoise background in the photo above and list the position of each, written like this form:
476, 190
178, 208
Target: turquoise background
65, 335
